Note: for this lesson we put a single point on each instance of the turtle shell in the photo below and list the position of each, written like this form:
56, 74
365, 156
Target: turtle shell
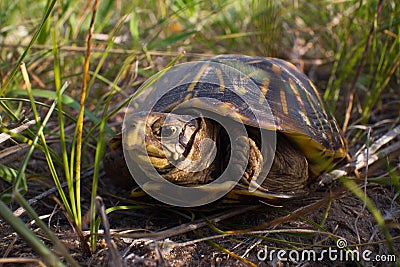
267, 93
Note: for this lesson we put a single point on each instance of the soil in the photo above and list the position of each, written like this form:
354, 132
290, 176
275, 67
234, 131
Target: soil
316, 228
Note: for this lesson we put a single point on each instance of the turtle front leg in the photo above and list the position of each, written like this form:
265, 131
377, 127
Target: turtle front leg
249, 162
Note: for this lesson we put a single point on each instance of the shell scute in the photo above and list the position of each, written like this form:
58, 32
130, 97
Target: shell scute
264, 86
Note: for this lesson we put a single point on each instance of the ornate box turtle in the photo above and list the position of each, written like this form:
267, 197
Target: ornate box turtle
283, 101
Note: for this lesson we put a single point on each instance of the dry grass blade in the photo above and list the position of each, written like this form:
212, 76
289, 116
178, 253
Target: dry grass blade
359, 68
184, 228
22, 261
11, 154
256, 232
297, 213
79, 124
112, 248
4, 137
374, 154
83, 240
230, 253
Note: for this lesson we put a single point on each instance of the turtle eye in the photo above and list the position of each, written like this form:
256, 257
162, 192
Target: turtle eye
168, 131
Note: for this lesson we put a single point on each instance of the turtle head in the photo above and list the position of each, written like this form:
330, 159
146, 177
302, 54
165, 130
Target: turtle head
180, 147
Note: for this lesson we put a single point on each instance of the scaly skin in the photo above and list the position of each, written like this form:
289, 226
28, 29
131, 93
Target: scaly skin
180, 152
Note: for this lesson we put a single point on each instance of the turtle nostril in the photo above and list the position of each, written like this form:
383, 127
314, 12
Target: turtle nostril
179, 148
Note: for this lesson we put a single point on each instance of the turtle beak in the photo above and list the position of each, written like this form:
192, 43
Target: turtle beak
141, 149
157, 157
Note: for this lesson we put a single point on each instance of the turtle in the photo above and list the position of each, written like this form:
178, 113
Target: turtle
283, 101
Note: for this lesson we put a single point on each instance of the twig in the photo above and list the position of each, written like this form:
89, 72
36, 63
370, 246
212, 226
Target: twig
115, 256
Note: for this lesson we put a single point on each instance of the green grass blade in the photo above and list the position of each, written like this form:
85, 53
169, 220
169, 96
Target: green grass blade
43, 140
98, 157
356, 190
14, 71
134, 28
32, 41
78, 135
97, 163
170, 40
30, 237
10, 175
67, 100
63, 143
16, 194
